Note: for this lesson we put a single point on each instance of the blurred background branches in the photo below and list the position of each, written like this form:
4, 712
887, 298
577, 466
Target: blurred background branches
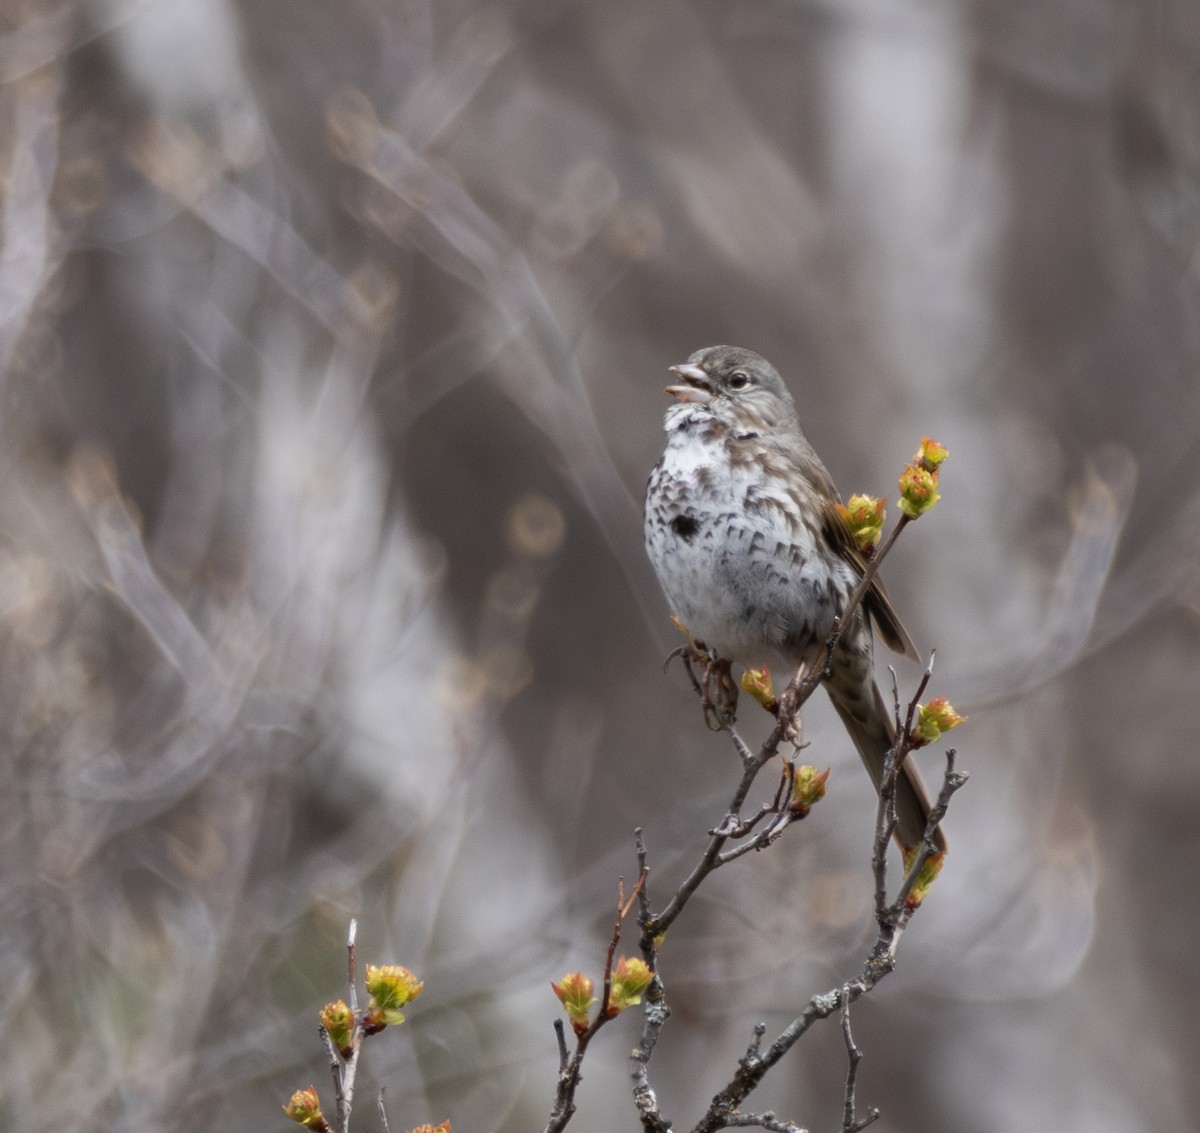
332, 339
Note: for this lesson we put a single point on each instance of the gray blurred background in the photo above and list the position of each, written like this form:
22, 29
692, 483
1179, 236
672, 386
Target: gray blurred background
333, 336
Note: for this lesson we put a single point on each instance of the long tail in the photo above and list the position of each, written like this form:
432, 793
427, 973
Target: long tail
869, 722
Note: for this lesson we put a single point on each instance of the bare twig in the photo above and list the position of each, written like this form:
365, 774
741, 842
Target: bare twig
851, 1123
351, 988
335, 1068
564, 1055
710, 860
770, 833
767, 1121
885, 825
656, 1012
349, 1074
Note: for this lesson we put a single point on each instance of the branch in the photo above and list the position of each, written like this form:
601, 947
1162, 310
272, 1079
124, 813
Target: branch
879, 962
570, 1068
734, 838
850, 1122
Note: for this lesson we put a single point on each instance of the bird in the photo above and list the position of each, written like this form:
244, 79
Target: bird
743, 530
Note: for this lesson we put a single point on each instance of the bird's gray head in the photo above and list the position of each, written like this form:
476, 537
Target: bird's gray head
736, 386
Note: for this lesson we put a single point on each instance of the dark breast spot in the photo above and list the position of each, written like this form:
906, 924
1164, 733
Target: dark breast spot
685, 526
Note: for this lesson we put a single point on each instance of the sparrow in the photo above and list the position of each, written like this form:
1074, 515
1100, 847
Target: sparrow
743, 531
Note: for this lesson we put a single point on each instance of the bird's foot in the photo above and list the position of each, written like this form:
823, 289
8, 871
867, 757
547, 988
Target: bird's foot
716, 687
718, 695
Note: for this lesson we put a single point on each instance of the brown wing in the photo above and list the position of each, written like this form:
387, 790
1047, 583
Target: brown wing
877, 603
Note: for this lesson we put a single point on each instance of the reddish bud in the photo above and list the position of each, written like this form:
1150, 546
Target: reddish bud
574, 991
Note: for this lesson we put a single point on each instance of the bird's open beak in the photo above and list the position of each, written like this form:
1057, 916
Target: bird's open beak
698, 385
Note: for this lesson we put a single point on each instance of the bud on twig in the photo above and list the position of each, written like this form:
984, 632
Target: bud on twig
390, 987
808, 788
305, 1109
864, 518
919, 480
933, 719
629, 979
758, 683
338, 1021
930, 868
574, 991
931, 454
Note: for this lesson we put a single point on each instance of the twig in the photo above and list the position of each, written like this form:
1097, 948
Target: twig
803, 684
952, 781
879, 962
767, 1121
724, 1110
383, 1118
656, 1012
335, 1069
769, 834
873, 563
346, 1100
623, 908
885, 825
345, 1071
851, 1123
570, 1070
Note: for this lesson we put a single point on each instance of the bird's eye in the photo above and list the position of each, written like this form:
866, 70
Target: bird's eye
739, 380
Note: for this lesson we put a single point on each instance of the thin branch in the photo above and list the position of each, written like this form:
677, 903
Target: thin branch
851, 1123
767, 1121
952, 781
623, 908
350, 1073
655, 1013
885, 825
769, 834
755, 1047
335, 1069
352, 989
724, 1110
879, 962
570, 1071
344, 1072
873, 563
564, 1055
